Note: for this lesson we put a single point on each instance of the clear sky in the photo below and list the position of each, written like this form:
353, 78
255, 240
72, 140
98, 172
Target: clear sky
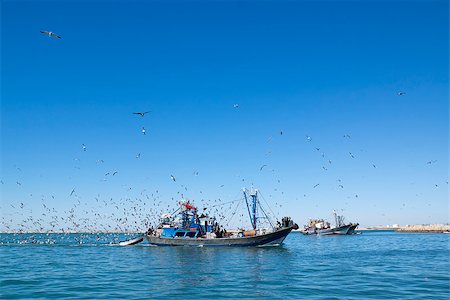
324, 73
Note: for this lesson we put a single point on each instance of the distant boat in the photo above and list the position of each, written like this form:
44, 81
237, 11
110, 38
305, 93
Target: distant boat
321, 227
191, 228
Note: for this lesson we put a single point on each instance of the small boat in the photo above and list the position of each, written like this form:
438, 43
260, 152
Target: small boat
132, 242
321, 227
191, 228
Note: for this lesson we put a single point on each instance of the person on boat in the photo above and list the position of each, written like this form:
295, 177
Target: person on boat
150, 231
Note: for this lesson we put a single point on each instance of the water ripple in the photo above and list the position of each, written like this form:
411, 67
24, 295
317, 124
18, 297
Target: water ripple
367, 266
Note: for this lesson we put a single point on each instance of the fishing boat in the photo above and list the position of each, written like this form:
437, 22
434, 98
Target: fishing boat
322, 227
191, 228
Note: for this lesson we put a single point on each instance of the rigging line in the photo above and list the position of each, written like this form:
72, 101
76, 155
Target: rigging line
267, 204
267, 217
234, 213
224, 203
230, 208
176, 210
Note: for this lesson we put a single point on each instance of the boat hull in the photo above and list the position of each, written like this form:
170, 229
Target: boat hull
342, 230
269, 239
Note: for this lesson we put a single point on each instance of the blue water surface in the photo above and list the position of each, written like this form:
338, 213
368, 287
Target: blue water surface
373, 265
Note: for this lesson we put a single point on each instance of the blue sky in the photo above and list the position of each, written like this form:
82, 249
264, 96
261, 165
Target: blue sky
320, 69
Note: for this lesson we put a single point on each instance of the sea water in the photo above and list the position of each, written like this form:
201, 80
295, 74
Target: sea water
372, 265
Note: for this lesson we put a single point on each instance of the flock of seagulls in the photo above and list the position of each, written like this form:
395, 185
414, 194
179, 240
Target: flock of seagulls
129, 214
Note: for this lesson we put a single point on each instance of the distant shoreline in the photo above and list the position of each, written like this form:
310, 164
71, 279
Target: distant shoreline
431, 228
435, 228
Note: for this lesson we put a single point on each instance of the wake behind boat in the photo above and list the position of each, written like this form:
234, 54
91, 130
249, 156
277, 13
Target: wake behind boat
190, 228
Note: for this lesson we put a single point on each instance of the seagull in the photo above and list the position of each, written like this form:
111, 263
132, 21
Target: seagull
115, 173
143, 130
401, 93
281, 132
351, 155
308, 138
51, 34
262, 167
141, 113
236, 105
173, 178
84, 147
138, 155
73, 191
316, 185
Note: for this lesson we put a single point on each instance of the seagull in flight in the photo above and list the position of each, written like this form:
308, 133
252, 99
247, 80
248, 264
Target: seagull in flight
173, 178
50, 34
143, 130
401, 93
262, 167
316, 185
141, 113
236, 105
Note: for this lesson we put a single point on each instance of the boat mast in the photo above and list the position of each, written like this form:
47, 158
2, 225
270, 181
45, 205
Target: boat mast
254, 195
246, 202
252, 214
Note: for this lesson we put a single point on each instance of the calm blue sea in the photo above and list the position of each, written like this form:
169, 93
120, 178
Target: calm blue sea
372, 265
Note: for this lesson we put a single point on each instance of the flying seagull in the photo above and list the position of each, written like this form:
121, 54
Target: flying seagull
143, 130
401, 93
141, 113
51, 34
173, 178
236, 105
262, 167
